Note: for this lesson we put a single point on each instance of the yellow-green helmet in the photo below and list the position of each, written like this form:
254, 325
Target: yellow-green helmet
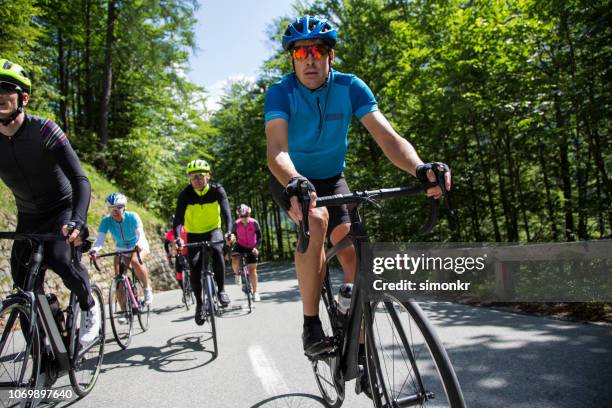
198, 166
16, 75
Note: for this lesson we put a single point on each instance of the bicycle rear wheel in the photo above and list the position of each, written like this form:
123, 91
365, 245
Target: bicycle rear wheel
86, 363
209, 302
327, 371
406, 362
120, 312
144, 310
246, 287
20, 358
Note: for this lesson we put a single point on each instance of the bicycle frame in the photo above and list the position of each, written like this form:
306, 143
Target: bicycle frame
123, 268
352, 327
40, 309
206, 270
123, 275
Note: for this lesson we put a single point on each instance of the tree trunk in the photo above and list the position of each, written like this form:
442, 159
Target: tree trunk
565, 172
549, 203
475, 201
502, 187
108, 73
489, 188
88, 111
61, 63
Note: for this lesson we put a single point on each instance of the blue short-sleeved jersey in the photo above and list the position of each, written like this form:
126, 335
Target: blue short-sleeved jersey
319, 120
123, 233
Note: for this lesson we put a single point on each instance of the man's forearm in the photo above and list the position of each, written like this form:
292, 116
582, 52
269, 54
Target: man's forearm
281, 166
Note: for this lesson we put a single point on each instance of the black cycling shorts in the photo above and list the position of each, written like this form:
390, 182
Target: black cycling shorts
250, 256
333, 185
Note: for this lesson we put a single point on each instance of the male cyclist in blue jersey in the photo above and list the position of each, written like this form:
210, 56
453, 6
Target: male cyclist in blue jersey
307, 115
128, 233
51, 191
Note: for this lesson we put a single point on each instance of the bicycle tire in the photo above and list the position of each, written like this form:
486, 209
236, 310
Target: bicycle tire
122, 331
14, 346
246, 279
210, 304
144, 310
86, 370
401, 341
188, 298
327, 370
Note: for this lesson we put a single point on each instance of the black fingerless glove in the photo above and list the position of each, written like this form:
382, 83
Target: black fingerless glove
436, 167
294, 185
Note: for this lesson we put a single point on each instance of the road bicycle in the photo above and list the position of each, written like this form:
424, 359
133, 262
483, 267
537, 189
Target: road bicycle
126, 298
245, 277
405, 362
212, 307
40, 342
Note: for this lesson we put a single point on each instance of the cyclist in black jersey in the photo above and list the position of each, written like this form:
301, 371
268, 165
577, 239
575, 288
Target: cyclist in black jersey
200, 208
50, 187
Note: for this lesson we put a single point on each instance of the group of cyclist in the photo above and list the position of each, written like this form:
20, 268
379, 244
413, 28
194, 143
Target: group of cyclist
307, 117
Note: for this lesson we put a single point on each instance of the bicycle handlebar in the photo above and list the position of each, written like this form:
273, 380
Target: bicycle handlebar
93, 259
360, 197
42, 237
201, 244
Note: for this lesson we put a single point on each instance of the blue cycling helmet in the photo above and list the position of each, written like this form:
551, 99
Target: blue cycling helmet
307, 28
114, 199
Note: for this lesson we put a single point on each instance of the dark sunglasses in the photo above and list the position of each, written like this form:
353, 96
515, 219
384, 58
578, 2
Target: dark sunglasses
317, 51
198, 176
7, 87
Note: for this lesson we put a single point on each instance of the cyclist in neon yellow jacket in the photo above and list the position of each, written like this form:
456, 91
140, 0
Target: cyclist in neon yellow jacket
200, 208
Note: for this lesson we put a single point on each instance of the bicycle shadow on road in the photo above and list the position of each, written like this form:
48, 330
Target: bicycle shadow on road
291, 400
183, 352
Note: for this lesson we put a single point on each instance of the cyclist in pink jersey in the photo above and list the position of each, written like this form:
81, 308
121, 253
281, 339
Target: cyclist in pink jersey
248, 237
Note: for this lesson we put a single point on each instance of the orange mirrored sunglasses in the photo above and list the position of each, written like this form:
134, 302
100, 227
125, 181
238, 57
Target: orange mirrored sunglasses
317, 51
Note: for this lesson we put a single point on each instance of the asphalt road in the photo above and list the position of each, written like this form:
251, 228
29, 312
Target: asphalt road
502, 359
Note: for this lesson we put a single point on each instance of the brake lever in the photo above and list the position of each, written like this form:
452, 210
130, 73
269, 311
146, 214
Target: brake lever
432, 219
304, 230
439, 172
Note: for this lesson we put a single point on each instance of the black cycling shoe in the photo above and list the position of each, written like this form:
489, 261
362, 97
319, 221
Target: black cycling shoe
224, 299
314, 341
200, 314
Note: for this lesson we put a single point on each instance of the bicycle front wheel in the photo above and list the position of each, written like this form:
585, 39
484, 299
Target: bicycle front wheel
210, 309
187, 291
406, 362
86, 363
20, 357
246, 287
120, 312
144, 310
326, 370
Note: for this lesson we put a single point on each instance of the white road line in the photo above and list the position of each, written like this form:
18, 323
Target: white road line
265, 369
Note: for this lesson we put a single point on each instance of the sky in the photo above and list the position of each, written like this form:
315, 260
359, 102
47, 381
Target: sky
231, 41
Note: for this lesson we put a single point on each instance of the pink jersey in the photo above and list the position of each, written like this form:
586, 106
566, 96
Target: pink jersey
170, 237
246, 235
